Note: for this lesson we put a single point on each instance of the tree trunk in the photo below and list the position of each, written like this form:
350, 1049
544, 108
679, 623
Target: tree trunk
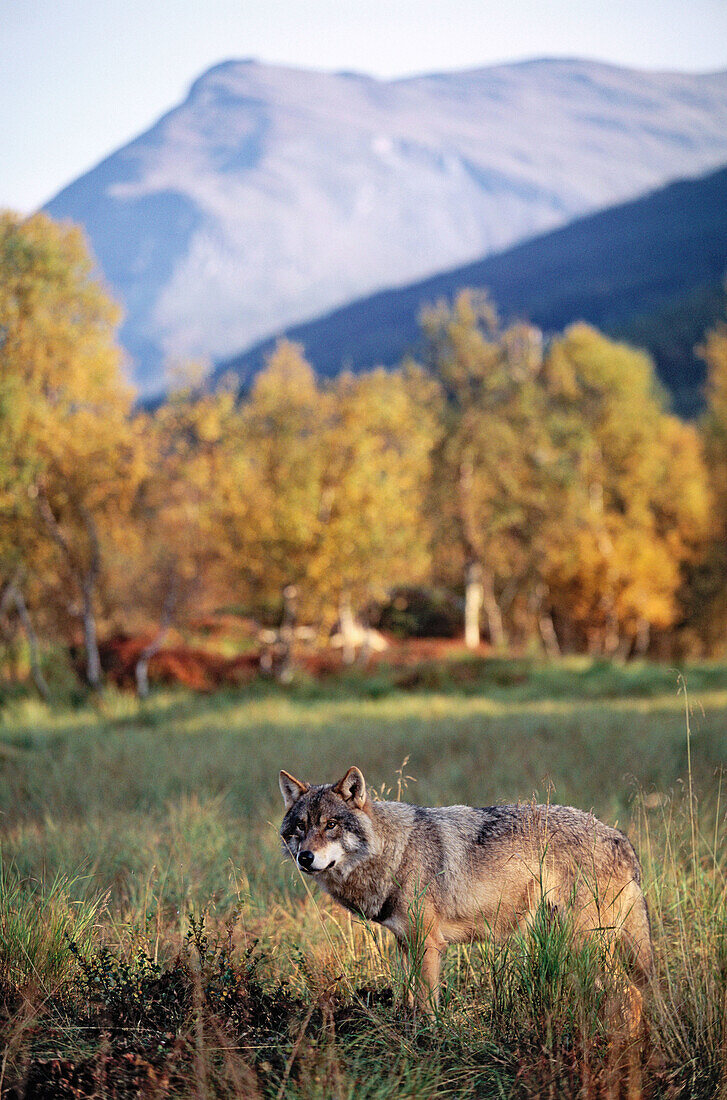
495, 628
13, 594
472, 604
8, 629
142, 665
346, 626
35, 671
643, 637
546, 625
88, 585
6, 600
85, 578
611, 636
90, 639
141, 670
473, 569
548, 634
366, 648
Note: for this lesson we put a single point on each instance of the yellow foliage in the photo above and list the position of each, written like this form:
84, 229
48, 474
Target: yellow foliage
72, 459
555, 477
638, 507
325, 487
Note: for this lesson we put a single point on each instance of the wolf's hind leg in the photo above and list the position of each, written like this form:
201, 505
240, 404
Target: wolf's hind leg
635, 936
625, 1004
636, 958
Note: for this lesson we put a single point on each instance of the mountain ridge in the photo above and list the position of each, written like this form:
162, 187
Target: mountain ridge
271, 195
649, 271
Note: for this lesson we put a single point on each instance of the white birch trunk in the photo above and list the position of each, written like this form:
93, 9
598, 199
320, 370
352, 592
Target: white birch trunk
347, 627
90, 638
472, 605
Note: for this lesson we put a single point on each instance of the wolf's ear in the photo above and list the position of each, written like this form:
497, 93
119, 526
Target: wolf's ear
352, 787
291, 789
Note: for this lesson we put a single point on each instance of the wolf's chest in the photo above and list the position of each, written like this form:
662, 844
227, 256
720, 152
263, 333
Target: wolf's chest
377, 905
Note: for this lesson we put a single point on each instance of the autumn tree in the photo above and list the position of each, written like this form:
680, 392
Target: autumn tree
69, 460
634, 504
173, 568
15, 482
563, 489
709, 592
377, 441
322, 502
485, 464
270, 504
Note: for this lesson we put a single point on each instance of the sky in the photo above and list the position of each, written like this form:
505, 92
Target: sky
79, 78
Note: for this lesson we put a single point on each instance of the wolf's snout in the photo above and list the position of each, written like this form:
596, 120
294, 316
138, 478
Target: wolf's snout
305, 860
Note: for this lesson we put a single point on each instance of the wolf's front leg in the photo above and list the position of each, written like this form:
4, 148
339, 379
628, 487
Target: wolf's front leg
422, 963
407, 971
434, 948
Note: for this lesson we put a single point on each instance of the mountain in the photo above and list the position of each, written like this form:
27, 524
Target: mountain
650, 271
271, 195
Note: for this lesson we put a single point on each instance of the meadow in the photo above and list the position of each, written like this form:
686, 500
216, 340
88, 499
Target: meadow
154, 942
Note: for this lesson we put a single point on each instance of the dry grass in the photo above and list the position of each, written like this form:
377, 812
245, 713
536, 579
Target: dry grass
153, 943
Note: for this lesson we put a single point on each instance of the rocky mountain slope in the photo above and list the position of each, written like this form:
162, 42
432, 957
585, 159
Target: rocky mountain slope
650, 271
272, 195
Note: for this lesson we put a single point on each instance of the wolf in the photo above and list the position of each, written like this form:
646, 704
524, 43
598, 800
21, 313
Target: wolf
436, 876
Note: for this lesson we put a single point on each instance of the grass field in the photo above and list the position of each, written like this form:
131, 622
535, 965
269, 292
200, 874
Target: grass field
153, 941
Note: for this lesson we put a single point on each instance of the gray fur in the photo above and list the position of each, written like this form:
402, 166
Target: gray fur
471, 872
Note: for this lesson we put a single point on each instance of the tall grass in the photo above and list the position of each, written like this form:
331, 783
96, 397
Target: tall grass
38, 922
140, 849
684, 861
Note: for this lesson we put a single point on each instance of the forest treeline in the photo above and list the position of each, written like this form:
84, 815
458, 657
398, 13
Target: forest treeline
546, 485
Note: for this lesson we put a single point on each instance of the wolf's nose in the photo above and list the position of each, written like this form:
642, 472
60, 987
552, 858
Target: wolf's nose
305, 860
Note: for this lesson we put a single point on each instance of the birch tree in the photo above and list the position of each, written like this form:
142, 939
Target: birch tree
483, 479
377, 441
635, 505
69, 464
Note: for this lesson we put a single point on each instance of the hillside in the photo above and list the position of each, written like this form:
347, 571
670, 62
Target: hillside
272, 195
649, 271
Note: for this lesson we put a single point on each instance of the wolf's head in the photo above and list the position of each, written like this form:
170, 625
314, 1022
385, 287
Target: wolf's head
326, 827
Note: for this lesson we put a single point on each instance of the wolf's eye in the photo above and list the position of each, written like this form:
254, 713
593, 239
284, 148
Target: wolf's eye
331, 825
299, 828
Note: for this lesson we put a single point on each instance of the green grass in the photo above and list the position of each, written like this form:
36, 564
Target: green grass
125, 826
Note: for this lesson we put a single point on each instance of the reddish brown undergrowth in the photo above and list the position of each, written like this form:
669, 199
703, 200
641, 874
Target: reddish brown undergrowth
186, 666
204, 670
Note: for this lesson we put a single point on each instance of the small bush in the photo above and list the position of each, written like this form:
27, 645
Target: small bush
420, 613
